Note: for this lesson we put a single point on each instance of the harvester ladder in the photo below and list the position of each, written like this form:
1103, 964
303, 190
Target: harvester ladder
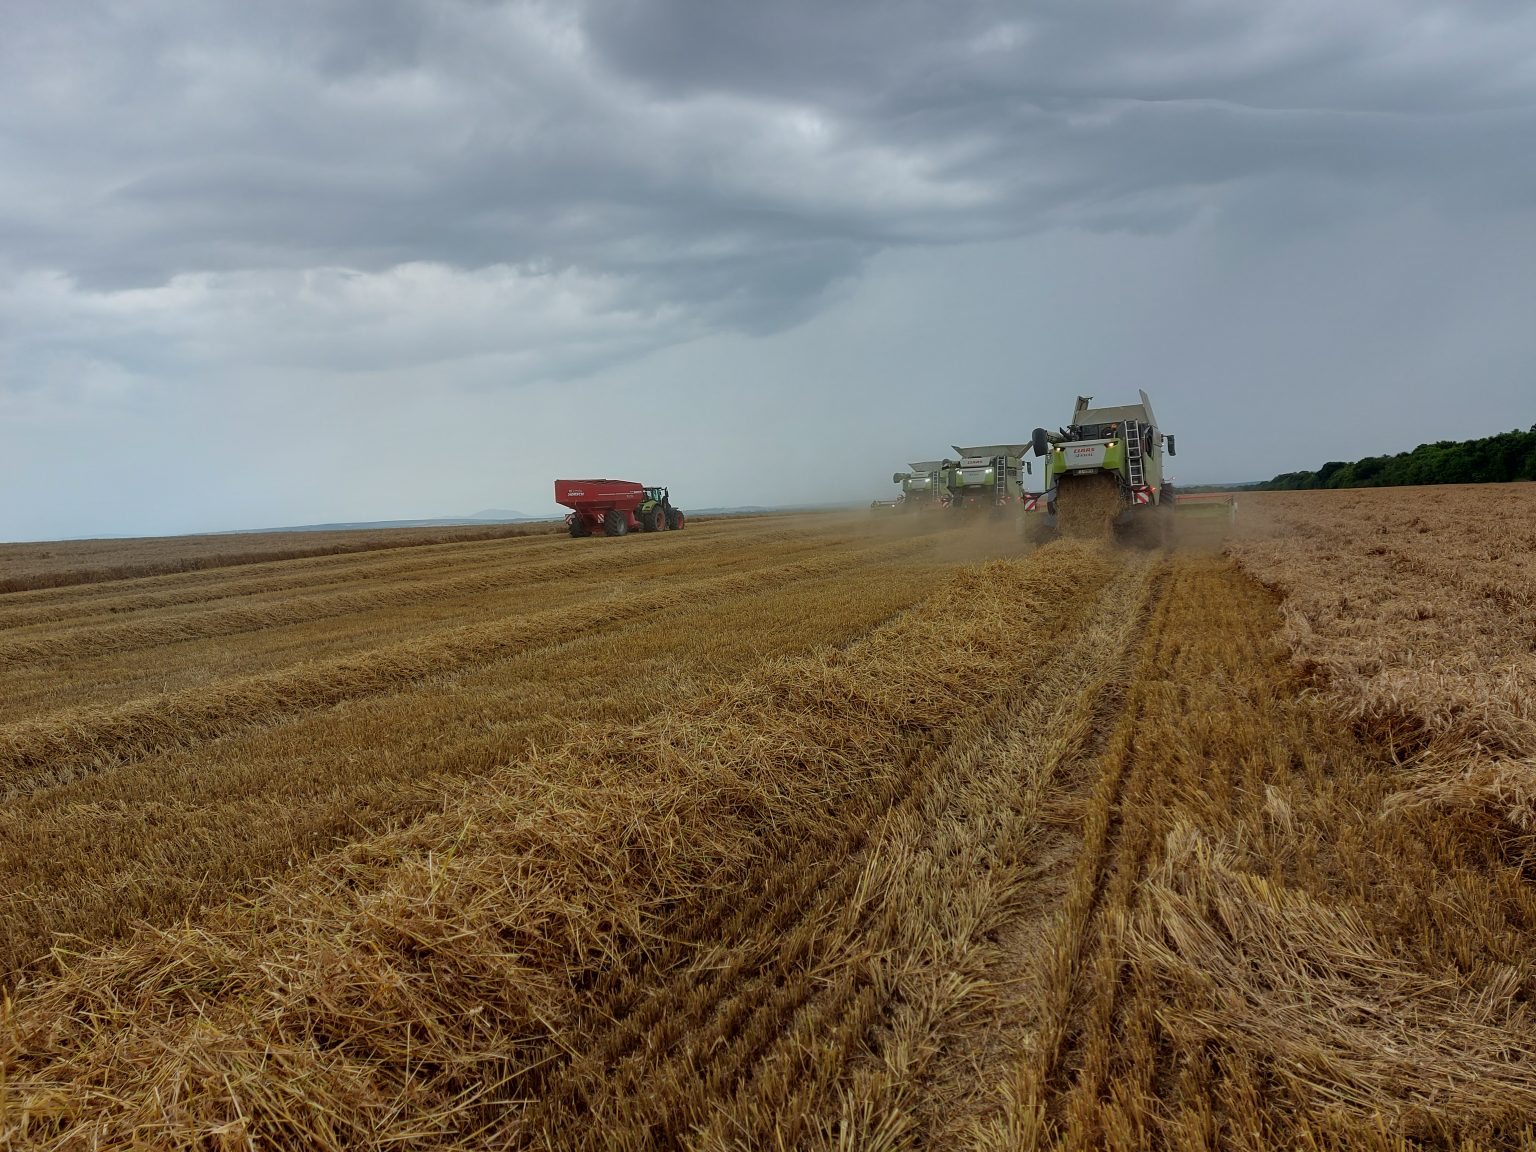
1000, 480
1133, 452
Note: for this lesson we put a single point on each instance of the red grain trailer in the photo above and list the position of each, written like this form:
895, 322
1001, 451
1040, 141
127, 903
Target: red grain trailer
615, 507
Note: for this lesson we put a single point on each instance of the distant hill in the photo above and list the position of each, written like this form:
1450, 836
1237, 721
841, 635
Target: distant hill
513, 516
499, 514
441, 522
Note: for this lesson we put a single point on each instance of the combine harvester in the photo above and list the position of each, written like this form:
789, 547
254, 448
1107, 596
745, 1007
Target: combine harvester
616, 507
926, 486
1103, 475
987, 476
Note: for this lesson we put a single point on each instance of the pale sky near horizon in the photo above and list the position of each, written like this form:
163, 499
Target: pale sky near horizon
384, 259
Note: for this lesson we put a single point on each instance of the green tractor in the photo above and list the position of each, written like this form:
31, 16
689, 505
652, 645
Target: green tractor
656, 512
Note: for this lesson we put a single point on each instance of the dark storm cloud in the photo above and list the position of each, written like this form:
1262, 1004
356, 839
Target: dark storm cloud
1374, 54
1062, 111
680, 166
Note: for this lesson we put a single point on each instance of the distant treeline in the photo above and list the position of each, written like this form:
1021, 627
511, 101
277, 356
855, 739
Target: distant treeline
1493, 459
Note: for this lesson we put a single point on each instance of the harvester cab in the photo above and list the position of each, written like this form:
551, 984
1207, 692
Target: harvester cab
1103, 471
987, 476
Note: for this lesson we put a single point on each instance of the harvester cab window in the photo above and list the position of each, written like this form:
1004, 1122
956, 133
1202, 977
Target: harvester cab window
1095, 431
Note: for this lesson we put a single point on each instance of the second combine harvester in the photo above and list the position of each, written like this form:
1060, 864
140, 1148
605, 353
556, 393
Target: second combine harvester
1103, 473
984, 477
987, 476
926, 486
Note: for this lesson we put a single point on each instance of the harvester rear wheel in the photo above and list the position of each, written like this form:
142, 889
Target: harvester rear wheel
615, 522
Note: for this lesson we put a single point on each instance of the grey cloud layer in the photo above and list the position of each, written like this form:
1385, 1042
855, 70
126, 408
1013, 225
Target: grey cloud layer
148, 140
282, 262
383, 181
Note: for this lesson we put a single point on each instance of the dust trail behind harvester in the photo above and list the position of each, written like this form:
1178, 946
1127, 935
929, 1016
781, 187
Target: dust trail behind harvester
1086, 506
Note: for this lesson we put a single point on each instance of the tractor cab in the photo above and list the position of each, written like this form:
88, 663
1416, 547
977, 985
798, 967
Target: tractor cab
658, 495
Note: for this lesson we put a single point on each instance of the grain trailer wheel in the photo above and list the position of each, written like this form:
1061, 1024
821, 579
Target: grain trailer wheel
615, 522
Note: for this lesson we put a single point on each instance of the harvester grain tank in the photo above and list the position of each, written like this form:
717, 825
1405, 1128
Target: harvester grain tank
925, 486
615, 507
1103, 471
987, 476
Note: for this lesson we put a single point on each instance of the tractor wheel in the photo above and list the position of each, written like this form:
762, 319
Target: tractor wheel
578, 526
615, 522
675, 519
663, 520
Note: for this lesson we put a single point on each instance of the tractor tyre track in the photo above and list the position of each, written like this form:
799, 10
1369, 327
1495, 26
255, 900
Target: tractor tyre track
738, 1023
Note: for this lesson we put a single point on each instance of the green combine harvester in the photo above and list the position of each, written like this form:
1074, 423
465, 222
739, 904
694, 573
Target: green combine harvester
1103, 474
925, 486
987, 476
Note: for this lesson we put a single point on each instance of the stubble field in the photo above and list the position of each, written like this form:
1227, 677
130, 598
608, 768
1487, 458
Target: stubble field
783, 832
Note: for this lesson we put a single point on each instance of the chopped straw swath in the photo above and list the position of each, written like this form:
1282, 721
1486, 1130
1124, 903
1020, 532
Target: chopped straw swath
1087, 505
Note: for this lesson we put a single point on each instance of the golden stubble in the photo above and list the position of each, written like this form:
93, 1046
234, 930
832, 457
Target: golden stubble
821, 832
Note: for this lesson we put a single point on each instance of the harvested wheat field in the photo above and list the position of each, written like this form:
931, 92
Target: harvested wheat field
784, 832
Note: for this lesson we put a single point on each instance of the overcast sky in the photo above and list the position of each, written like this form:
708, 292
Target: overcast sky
294, 262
